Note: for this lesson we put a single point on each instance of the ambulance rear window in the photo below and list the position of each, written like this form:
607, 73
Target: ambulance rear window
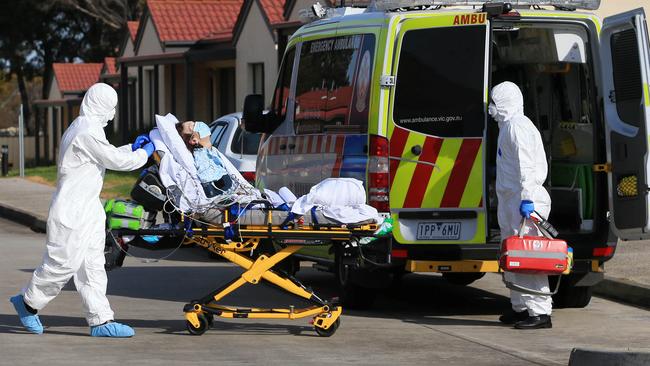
440, 81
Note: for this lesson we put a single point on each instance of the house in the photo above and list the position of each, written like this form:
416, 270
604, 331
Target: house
185, 62
66, 88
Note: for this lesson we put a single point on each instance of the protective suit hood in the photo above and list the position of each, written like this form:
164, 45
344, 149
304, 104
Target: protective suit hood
507, 102
98, 105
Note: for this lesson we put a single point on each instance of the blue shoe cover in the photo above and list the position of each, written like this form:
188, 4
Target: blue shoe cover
112, 329
30, 321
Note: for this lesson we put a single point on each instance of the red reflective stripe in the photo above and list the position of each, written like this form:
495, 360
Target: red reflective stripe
422, 173
319, 143
340, 143
326, 143
310, 144
338, 148
396, 149
460, 173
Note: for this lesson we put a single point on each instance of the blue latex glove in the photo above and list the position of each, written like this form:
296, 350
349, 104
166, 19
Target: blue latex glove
30, 321
140, 141
526, 208
149, 148
112, 329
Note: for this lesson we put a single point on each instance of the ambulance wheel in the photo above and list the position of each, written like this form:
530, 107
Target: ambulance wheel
203, 326
351, 295
569, 295
329, 331
462, 279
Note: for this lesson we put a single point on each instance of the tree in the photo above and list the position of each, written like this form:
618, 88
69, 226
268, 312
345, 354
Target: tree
36, 34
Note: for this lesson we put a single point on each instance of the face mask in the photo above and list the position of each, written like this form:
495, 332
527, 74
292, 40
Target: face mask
492, 110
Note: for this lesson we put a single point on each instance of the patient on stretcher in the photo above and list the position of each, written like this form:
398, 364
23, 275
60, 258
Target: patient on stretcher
210, 170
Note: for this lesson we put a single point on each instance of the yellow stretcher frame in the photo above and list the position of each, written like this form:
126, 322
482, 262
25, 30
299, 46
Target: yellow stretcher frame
199, 314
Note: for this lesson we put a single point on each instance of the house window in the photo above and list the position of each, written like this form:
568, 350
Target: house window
257, 78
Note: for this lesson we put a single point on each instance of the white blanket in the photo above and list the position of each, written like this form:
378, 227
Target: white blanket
341, 199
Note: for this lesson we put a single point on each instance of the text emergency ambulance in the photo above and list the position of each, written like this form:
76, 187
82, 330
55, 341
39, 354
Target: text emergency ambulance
396, 95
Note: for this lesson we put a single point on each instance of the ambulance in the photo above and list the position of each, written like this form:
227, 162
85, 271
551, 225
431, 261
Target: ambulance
396, 95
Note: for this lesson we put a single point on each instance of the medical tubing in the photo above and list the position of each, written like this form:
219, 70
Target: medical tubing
148, 260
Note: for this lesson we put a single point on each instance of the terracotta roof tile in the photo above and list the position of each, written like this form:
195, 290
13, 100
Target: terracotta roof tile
193, 20
76, 77
111, 65
133, 28
274, 10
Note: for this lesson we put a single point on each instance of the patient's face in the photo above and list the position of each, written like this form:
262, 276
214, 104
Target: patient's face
190, 137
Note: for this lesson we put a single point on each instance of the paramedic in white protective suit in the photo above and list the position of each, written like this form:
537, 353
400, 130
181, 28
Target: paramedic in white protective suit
521, 172
76, 220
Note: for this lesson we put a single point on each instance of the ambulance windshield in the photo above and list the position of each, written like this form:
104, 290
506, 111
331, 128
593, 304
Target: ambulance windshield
574, 4
333, 85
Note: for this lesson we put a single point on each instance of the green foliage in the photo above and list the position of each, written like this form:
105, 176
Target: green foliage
116, 184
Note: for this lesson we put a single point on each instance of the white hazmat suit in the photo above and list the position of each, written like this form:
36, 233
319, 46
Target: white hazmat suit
76, 220
521, 172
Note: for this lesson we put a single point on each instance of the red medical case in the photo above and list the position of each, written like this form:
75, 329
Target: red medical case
532, 254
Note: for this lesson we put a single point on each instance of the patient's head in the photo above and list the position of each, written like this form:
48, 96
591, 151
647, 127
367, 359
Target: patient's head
191, 137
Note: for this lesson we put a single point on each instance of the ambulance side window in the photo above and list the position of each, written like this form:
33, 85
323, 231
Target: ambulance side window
627, 76
440, 81
281, 93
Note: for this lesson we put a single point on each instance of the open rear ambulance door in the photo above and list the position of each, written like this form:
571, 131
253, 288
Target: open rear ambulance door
625, 73
437, 127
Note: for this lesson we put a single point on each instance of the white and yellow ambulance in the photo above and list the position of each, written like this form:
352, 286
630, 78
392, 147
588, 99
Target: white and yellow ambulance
396, 95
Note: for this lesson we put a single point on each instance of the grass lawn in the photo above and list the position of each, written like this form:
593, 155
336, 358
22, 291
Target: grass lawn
116, 184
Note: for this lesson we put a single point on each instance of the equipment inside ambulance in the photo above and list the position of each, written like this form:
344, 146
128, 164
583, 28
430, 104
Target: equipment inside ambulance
396, 95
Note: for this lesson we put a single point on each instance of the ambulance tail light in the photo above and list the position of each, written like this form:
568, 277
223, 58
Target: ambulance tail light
378, 168
249, 176
604, 251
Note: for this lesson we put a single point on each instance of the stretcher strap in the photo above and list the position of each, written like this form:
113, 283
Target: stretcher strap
314, 219
285, 224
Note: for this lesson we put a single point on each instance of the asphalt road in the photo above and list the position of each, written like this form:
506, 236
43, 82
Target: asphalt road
420, 321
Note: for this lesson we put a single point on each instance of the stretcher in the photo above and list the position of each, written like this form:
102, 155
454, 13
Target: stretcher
236, 237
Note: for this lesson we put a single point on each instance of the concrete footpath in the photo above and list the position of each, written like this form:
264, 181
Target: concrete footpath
627, 278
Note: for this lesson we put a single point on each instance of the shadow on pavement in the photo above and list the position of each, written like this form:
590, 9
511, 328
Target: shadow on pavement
9, 323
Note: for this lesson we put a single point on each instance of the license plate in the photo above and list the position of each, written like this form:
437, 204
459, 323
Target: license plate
438, 231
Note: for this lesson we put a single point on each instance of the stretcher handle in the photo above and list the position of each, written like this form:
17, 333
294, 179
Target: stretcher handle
530, 291
266, 203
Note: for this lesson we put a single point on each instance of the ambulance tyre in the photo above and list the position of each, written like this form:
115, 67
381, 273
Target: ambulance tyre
569, 295
462, 279
351, 295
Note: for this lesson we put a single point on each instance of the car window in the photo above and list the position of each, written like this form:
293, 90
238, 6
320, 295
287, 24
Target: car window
217, 132
333, 84
245, 142
440, 82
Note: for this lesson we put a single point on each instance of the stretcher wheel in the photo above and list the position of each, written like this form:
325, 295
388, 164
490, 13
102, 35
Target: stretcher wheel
204, 325
210, 318
329, 331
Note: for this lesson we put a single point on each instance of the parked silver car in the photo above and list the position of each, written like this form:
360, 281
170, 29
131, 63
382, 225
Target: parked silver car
238, 145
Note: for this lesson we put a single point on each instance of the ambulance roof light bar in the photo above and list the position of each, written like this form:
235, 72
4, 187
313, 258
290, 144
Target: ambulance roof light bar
386, 5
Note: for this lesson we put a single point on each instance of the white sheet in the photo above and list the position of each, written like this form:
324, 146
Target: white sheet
340, 199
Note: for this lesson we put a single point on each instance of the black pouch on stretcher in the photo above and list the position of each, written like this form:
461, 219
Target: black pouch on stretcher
149, 190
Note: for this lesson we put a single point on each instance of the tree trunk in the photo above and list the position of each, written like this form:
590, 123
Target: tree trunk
24, 98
